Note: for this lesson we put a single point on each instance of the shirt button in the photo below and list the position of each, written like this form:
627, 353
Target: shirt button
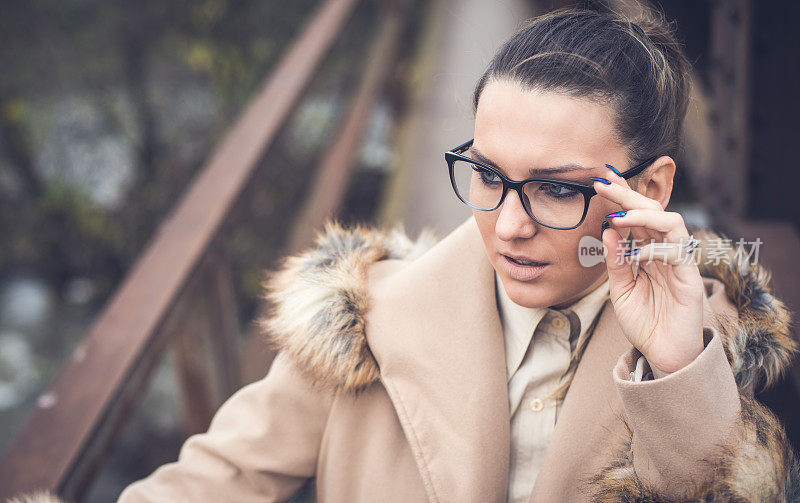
558, 323
536, 404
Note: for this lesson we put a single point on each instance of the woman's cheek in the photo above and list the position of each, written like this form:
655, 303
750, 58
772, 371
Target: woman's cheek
569, 254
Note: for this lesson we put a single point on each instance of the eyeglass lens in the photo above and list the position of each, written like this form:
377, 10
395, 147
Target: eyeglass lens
549, 203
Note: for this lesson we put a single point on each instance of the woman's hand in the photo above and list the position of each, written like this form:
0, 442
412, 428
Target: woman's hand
660, 308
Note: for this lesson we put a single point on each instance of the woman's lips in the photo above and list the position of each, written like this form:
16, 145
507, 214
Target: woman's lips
522, 272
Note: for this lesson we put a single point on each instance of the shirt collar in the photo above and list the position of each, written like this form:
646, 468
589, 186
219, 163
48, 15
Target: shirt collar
587, 307
519, 322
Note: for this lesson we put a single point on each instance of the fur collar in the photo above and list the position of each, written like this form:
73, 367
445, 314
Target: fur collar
318, 301
318, 305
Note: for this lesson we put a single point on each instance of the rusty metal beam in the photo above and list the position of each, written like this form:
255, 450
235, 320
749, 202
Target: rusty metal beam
333, 175
224, 320
729, 72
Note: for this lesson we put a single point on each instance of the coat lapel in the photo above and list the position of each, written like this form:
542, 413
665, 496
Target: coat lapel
435, 332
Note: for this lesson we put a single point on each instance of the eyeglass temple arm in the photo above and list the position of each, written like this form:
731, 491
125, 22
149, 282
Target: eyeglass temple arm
463, 146
638, 168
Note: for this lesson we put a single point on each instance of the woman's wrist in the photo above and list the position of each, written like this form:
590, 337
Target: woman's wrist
661, 368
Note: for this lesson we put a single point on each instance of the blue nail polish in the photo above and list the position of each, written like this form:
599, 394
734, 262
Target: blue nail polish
616, 214
612, 168
605, 225
601, 180
631, 252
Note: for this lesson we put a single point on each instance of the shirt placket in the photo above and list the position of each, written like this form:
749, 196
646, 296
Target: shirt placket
535, 418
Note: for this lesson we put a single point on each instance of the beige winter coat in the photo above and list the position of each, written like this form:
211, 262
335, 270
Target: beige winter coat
391, 386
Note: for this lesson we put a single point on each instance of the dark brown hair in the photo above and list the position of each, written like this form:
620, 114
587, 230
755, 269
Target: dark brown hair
634, 64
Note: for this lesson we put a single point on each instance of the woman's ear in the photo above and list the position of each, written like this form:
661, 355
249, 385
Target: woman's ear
656, 182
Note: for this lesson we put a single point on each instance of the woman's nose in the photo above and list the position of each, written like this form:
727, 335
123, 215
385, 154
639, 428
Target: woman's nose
513, 221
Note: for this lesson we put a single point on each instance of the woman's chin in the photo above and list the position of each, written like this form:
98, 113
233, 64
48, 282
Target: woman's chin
535, 294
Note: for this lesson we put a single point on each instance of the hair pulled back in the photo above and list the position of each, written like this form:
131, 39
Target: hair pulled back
635, 64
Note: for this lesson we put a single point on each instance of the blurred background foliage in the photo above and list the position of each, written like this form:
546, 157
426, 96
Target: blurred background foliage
108, 108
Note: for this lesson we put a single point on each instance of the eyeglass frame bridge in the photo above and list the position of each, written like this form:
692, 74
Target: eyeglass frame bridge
588, 191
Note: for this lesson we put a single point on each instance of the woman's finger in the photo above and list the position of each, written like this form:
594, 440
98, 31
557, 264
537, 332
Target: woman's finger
682, 253
637, 233
625, 196
669, 223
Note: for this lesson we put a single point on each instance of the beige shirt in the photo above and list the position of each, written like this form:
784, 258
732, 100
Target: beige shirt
538, 344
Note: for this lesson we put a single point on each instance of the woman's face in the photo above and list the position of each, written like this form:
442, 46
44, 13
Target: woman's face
520, 130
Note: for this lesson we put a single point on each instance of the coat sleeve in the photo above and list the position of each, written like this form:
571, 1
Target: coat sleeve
262, 445
695, 436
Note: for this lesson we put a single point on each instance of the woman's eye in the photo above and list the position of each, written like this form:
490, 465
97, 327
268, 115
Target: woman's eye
556, 190
487, 176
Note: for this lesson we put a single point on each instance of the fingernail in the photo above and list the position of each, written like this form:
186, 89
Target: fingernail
616, 214
612, 168
601, 180
631, 252
605, 225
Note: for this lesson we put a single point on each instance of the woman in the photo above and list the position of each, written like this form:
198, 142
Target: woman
498, 364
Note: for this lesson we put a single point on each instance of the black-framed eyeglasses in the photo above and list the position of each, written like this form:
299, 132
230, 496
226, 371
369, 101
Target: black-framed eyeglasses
557, 204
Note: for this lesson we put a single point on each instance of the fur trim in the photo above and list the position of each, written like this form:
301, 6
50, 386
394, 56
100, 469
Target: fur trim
318, 301
759, 344
37, 497
761, 466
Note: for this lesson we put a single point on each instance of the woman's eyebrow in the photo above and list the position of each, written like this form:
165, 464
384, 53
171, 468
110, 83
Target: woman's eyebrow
534, 171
